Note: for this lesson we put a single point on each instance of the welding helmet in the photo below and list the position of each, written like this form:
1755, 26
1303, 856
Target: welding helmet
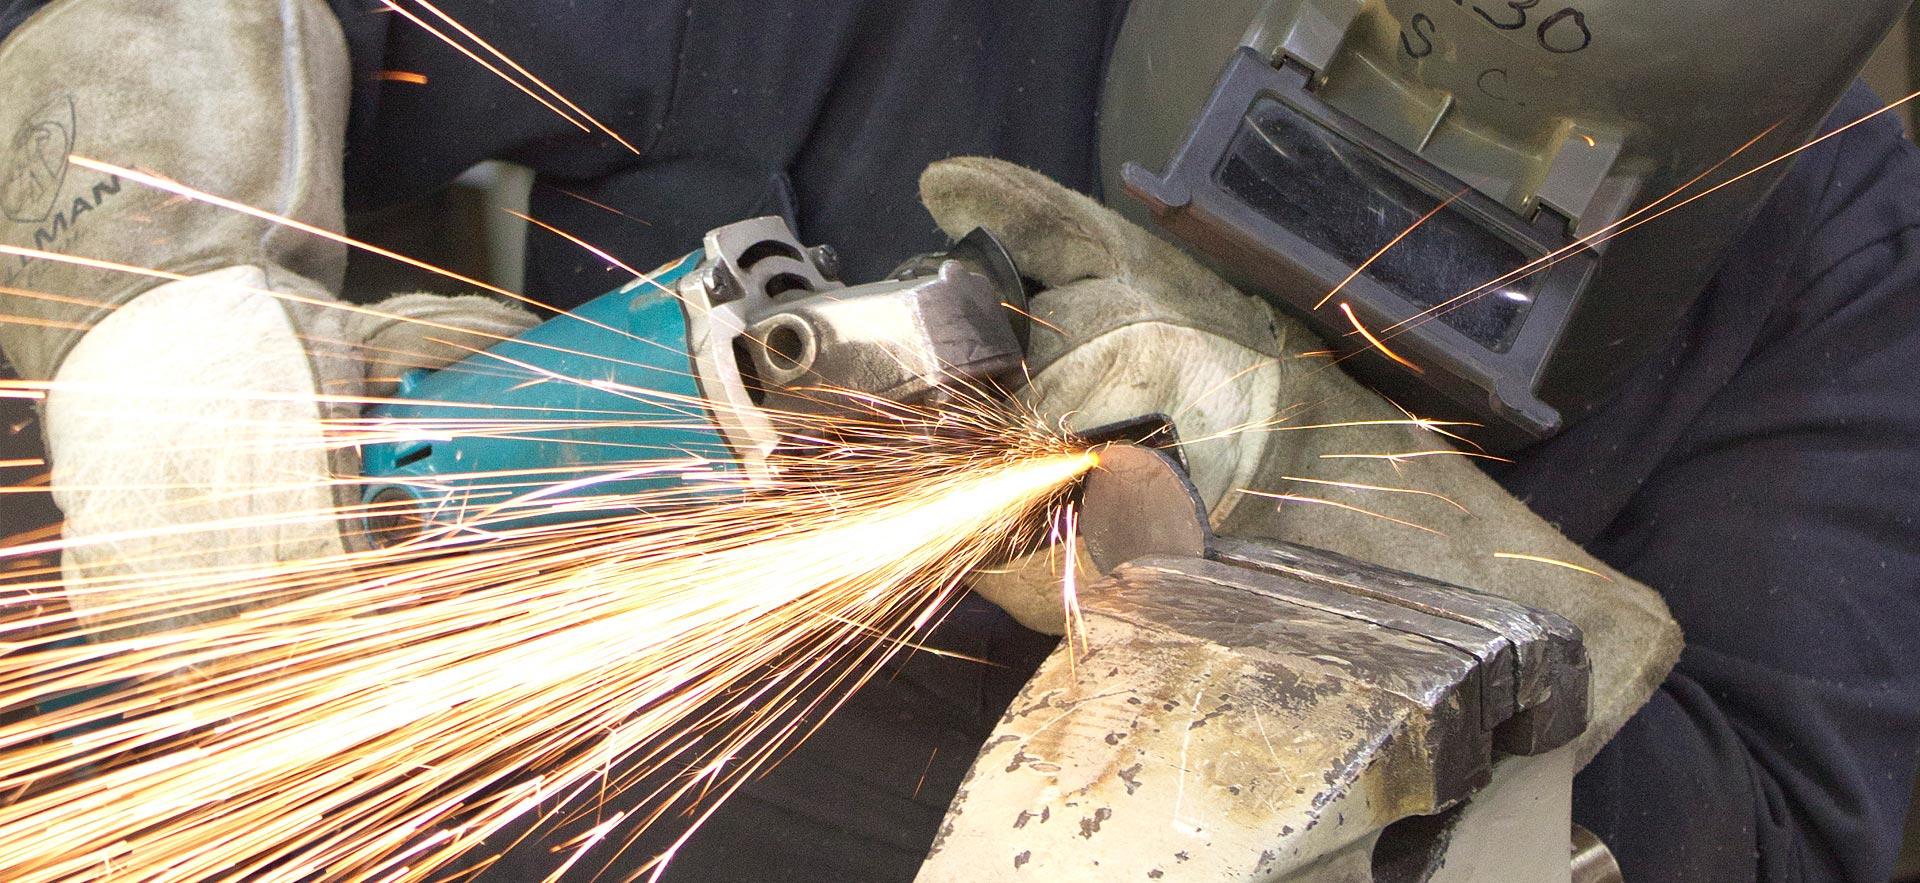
1288, 142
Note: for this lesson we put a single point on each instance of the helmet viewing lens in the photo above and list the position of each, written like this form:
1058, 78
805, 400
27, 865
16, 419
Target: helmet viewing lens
1341, 200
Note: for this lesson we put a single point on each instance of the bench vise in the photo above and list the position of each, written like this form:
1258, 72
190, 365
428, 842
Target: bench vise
1241, 710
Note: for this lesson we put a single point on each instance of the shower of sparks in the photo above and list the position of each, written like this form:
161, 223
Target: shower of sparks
375, 715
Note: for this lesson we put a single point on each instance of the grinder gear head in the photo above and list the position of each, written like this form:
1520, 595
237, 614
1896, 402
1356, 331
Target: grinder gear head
1292, 140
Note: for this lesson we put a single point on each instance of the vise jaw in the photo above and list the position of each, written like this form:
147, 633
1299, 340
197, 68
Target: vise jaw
1260, 711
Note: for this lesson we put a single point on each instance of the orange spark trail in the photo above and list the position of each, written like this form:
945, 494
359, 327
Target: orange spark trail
1553, 561
1354, 485
1652, 211
1388, 247
176, 187
599, 205
1362, 329
590, 248
509, 62
179, 189
1296, 498
1410, 455
491, 68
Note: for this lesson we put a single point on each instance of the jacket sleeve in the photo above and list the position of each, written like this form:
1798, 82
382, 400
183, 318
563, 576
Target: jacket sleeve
1784, 531
13, 12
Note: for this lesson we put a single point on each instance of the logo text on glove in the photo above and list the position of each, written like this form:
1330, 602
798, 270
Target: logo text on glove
36, 162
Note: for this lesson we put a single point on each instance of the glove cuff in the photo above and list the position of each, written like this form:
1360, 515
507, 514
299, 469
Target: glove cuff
176, 450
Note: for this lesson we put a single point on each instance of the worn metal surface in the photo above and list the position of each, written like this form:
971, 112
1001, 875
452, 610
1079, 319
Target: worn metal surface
1516, 828
1180, 747
1549, 670
1138, 502
1227, 721
1492, 649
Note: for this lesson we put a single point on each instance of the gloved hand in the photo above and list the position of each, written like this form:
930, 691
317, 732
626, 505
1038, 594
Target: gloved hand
1131, 325
188, 421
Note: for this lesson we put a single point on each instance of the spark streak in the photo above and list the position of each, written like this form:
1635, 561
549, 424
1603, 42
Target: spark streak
1347, 310
1388, 247
1652, 211
509, 62
1296, 498
1354, 485
1553, 561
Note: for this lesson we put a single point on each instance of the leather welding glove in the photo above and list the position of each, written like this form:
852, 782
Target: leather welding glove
187, 418
1129, 325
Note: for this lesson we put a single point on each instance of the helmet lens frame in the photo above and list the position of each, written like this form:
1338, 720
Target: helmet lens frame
1296, 199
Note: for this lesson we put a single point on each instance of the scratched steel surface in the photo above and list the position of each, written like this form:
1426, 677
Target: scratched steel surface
1204, 760
1257, 717
1544, 678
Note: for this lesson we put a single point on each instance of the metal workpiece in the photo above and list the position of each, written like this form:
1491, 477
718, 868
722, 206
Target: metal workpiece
1593, 862
1271, 715
1382, 656
1139, 502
